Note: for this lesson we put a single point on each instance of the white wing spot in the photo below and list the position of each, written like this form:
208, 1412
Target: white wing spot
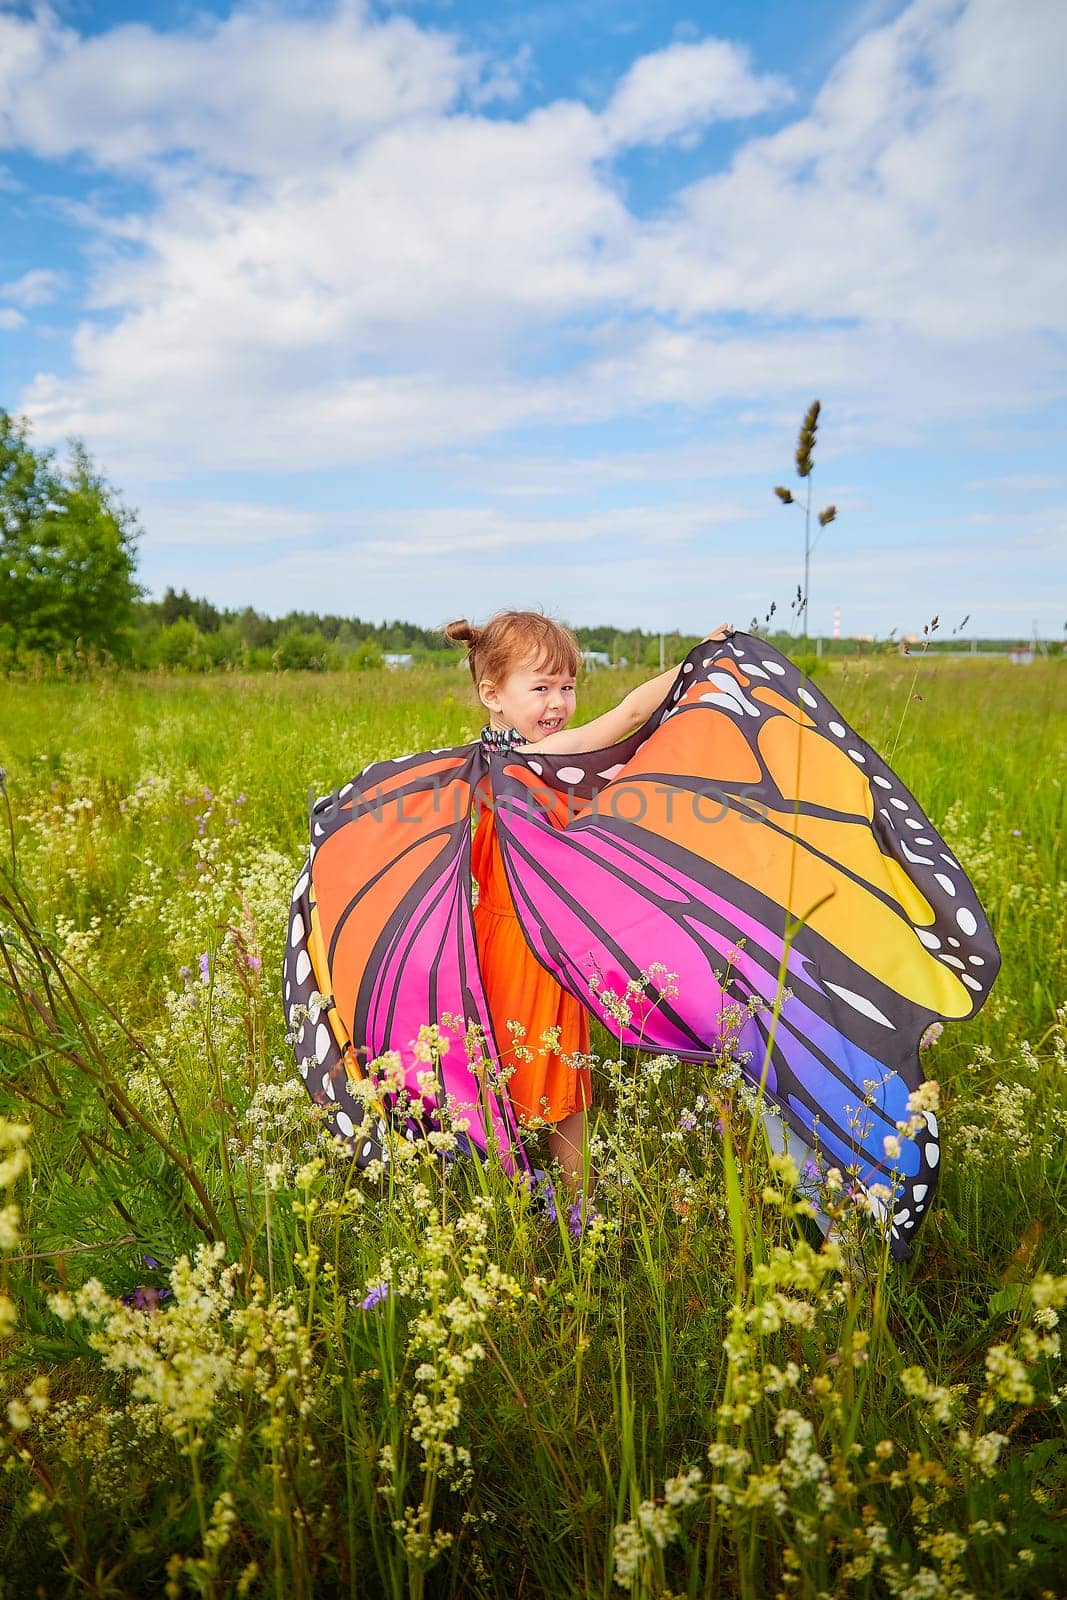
946, 882
303, 966
729, 690
837, 729
966, 921
723, 700
859, 1002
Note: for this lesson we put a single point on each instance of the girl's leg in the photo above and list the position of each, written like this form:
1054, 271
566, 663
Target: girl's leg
566, 1144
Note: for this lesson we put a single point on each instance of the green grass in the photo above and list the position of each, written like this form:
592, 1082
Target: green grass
517, 1415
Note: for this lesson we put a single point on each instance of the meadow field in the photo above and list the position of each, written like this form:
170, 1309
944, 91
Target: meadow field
230, 1368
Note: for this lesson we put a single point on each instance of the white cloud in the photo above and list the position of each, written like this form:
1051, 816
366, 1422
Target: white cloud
675, 93
256, 93
346, 263
10, 319
922, 192
35, 288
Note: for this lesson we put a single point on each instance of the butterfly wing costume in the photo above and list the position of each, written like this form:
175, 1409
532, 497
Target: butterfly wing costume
744, 840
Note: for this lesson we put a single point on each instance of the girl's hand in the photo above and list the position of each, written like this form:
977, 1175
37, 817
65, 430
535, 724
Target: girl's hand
723, 631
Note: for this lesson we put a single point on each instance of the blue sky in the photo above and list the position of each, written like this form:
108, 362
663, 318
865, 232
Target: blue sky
427, 309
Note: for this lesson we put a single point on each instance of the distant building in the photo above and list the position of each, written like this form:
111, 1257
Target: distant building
393, 659
596, 658
1022, 655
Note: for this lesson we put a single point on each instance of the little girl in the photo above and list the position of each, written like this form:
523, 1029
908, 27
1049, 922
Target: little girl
524, 668
842, 885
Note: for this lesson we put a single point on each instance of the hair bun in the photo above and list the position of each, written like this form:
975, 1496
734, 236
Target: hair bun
461, 632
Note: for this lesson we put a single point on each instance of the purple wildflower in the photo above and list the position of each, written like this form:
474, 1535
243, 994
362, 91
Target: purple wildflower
185, 973
377, 1293
542, 1193
253, 963
146, 1298
581, 1214
205, 967
241, 800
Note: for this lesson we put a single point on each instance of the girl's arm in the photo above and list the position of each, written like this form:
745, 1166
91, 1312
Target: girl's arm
633, 709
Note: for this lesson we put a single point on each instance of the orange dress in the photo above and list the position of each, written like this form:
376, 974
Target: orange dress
542, 1086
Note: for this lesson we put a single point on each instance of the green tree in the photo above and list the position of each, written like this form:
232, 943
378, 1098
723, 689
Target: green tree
298, 651
180, 645
67, 550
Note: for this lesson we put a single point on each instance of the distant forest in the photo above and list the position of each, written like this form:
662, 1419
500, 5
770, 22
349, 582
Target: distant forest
186, 633
180, 631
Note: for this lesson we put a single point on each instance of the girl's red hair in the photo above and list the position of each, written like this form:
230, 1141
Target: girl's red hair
515, 639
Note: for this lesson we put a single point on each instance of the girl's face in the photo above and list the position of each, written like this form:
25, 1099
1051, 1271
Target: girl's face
537, 703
